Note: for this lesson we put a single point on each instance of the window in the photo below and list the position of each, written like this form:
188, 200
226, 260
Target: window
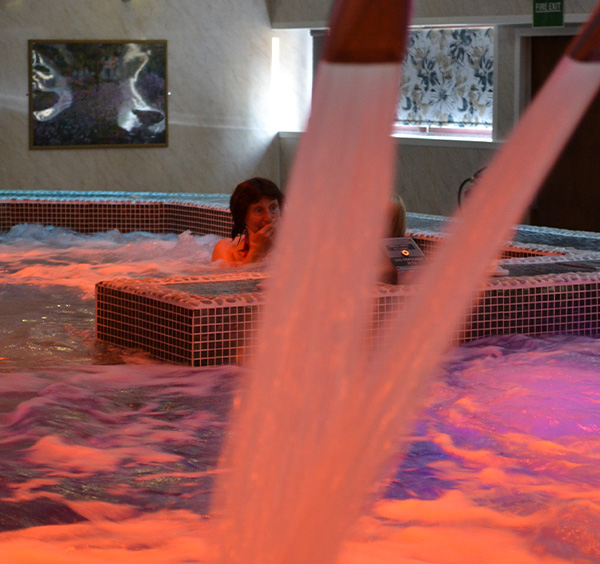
447, 83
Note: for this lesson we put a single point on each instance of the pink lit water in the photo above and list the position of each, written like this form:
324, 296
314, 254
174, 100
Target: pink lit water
115, 462
45, 271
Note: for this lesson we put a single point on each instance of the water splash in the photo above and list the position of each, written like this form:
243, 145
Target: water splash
289, 499
48, 256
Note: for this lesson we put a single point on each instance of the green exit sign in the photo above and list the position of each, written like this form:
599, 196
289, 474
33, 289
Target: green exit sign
548, 13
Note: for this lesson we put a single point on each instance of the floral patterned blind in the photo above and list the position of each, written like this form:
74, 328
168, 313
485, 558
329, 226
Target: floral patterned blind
448, 78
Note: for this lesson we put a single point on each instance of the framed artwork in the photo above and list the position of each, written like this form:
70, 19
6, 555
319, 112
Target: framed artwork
97, 94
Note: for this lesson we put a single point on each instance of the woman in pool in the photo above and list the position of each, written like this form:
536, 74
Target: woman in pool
255, 208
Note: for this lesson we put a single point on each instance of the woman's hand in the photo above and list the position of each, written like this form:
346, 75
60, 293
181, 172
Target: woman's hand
260, 241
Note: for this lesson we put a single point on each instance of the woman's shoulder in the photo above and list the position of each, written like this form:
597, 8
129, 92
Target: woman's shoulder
222, 249
228, 250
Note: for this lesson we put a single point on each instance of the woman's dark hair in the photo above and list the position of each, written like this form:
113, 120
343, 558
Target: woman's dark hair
396, 218
247, 193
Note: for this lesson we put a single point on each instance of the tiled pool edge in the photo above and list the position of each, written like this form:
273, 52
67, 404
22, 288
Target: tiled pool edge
203, 330
200, 330
104, 211
179, 326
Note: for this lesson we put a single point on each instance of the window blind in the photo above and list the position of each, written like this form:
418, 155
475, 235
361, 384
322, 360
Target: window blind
448, 78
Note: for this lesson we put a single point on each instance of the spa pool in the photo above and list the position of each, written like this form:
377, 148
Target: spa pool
109, 456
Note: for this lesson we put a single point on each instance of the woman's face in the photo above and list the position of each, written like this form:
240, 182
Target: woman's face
262, 213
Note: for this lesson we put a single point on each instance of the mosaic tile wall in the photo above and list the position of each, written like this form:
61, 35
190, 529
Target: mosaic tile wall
428, 243
201, 330
176, 325
125, 215
536, 306
212, 320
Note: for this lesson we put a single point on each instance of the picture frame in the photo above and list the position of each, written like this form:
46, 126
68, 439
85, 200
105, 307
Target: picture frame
89, 94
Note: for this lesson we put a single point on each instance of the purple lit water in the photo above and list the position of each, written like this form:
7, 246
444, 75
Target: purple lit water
116, 462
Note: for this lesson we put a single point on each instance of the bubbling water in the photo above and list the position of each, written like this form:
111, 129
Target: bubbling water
117, 462
47, 281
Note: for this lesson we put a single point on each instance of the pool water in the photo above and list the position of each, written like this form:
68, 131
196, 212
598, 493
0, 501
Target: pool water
47, 281
112, 458
245, 286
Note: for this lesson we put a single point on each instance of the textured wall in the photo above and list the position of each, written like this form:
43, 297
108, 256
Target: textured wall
490, 11
294, 13
219, 71
427, 175
315, 13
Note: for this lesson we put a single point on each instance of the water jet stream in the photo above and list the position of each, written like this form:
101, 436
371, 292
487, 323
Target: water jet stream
319, 420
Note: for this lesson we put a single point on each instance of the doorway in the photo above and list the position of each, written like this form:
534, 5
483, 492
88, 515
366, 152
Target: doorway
570, 197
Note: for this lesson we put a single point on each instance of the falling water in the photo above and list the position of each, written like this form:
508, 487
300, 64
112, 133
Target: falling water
320, 420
